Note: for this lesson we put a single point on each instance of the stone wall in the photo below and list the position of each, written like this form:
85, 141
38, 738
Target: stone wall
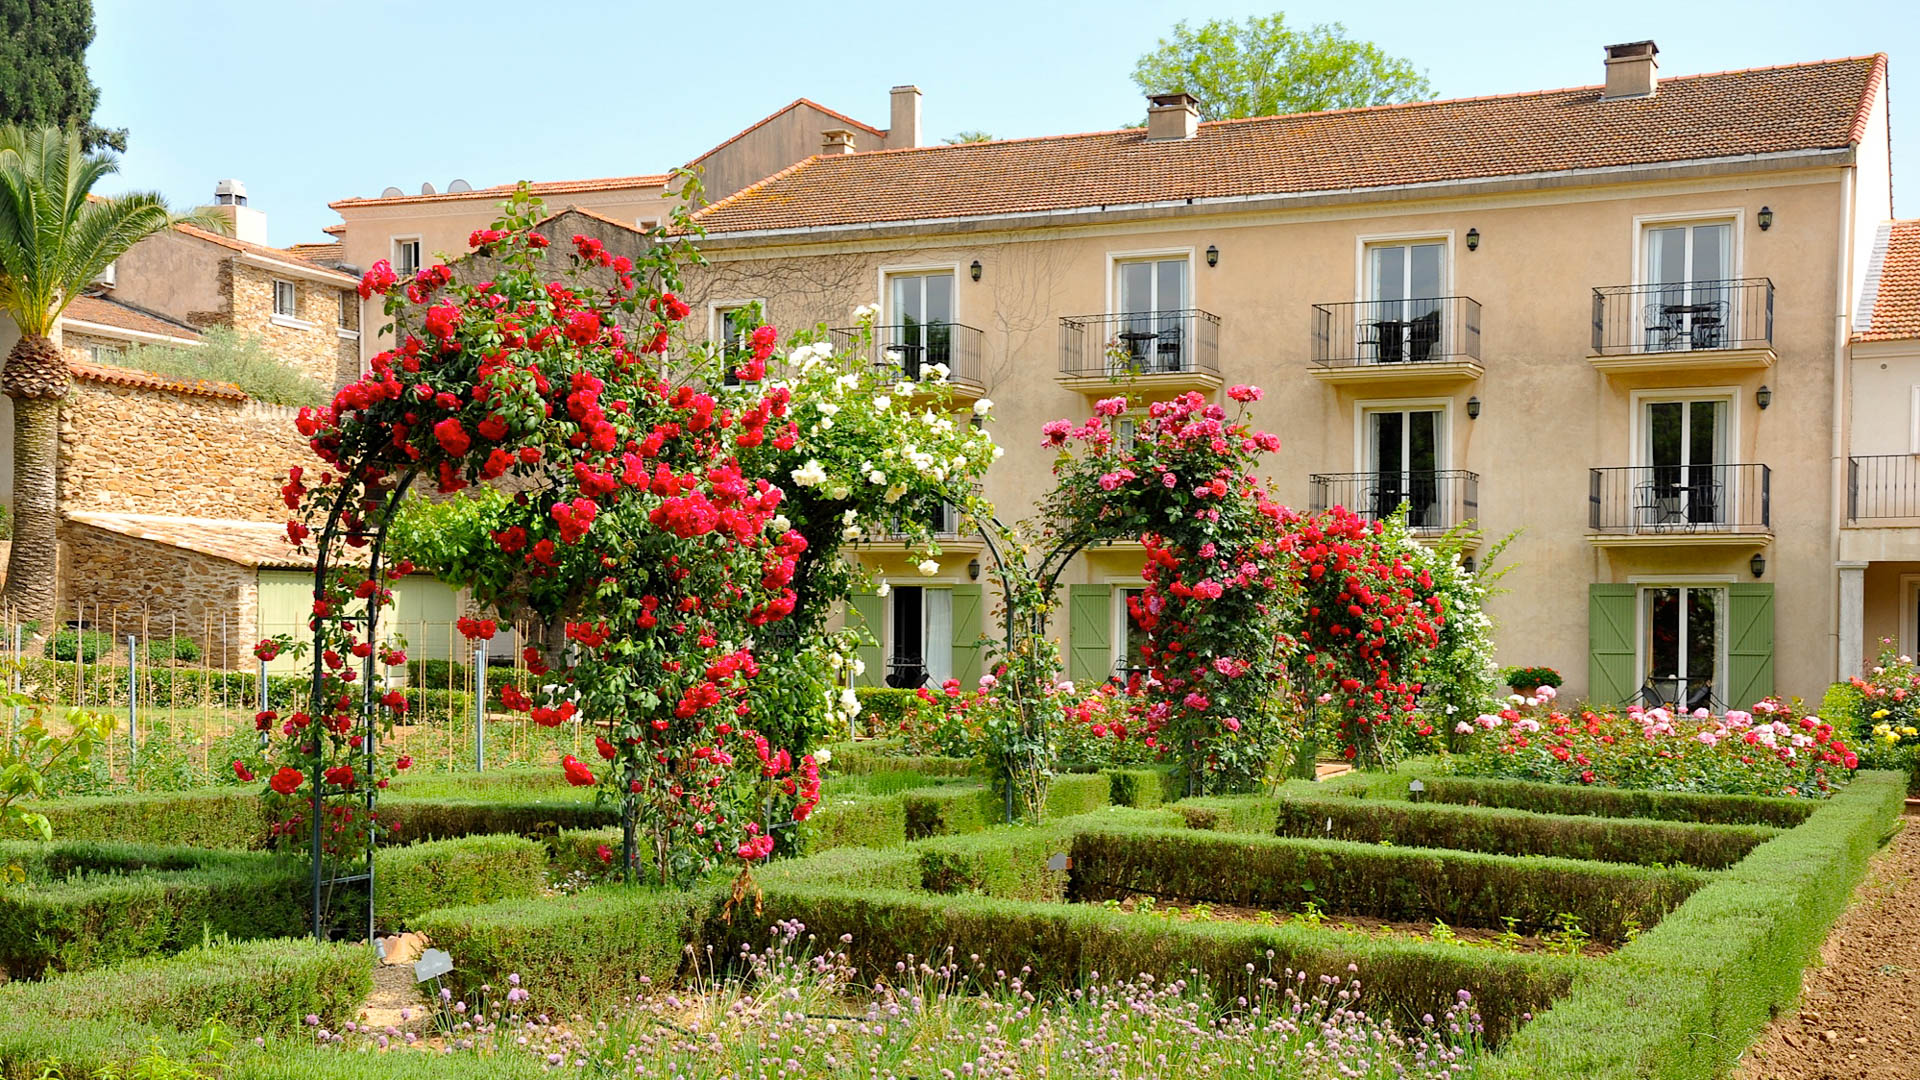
311, 339
139, 586
140, 449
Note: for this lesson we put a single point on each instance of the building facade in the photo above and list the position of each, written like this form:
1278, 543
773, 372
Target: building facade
1613, 320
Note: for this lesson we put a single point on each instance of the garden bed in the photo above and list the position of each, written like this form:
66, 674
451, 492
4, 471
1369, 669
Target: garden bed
1567, 941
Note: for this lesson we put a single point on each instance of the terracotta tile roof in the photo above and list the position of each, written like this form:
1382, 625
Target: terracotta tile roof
1894, 283
249, 543
782, 111
104, 311
1727, 114
501, 191
147, 380
328, 254
263, 250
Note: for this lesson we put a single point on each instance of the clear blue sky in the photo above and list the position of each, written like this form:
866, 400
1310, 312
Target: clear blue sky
499, 90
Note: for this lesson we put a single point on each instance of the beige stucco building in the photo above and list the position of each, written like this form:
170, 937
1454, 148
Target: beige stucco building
1614, 319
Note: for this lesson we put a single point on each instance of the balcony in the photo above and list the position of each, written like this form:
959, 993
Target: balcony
1170, 351
1883, 489
1436, 499
1691, 326
1680, 504
910, 351
1431, 338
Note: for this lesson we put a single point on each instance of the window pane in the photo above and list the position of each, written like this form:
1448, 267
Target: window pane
1710, 252
1704, 434
1428, 277
1703, 639
1663, 633
1173, 285
1664, 422
1423, 439
1136, 287
1667, 255
939, 635
939, 297
908, 309
1387, 433
1389, 273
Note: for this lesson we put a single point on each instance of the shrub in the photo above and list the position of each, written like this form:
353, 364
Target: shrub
1231, 813
854, 821
529, 815
954, 808
1143, 787
1408, 884
1078, 793
1518, 832
229, 356
88, 645
437, 674
1881, 711
415, 879
176, 647
222, 818
850, 867
849, 759
1587, 801
1531, 678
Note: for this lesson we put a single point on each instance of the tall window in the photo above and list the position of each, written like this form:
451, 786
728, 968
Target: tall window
1690, 305
1128, 637
920, 651
1686, 477
1403, 464
1684, 631
1153, 332
406, 257
348, 309
732, 326
920, 322
1400, 322
286, 299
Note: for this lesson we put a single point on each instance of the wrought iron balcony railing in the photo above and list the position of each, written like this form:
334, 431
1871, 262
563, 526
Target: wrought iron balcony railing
1680, 499
1419, 331
1883, 486
909, 351
1434, 498
1144, 344
1684, 317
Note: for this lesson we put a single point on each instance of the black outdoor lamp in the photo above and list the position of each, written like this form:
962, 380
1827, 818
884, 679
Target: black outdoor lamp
1763, 397
1757, 564
1766, 218
1213, 255
973, 569
975, 269
1473, 408
1467, 564
1473, 239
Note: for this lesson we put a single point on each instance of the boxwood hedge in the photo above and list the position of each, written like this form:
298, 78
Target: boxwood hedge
1587, 801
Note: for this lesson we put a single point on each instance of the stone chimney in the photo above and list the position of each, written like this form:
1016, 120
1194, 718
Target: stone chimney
836, 141
230, 202
1172, 116
1632, 71
905, 127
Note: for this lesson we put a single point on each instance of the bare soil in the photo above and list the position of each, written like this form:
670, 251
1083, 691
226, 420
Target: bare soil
1384, 928
1858, 1006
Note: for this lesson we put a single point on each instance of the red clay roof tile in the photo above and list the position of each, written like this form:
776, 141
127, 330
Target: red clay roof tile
1896, 306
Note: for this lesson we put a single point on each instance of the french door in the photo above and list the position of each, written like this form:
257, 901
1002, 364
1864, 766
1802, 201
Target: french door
921, 327
1401, 321
1685, 629
1153, 300
1690, 305
920, 646
1403, 460
1687, 481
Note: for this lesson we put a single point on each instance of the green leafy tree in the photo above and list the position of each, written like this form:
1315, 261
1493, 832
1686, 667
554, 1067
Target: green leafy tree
968, 136
1262, 67
43, 69
230, 356
56, 238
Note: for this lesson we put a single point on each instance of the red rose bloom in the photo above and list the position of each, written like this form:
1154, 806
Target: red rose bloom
452, 437
577, 772
287, 780
240, 770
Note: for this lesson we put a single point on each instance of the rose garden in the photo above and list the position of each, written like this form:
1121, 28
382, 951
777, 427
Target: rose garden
1312, 831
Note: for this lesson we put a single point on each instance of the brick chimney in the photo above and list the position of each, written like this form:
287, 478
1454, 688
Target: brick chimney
1632, 71
836, 141
1172, 116
230, 202
905, 126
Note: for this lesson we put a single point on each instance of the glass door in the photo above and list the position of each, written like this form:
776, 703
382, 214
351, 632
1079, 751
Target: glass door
1686, 482
906, 658
1401, 321
921, 331
937, 635
1403, 465
1129, 639
1690, 303
1152, 332
1681, 649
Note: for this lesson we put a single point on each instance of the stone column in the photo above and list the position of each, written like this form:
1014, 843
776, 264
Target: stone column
1853, 618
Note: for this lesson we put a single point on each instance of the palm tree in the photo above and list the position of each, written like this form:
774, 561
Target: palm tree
56, 239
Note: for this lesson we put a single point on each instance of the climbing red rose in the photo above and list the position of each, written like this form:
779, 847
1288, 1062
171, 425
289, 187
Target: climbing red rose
577, 772
287, 780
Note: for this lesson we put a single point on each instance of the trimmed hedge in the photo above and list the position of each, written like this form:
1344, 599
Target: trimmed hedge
1684, 1000
415, 879
950, 809
878, 821
1231, 813
1584, 801
850, 868
529, 815
1144, 788
588, 950
1010, 864
1410, 884
209, 818
1520, 832
1078, 793
883, 755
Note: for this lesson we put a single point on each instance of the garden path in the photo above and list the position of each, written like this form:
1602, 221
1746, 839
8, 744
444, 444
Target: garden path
1857, 1012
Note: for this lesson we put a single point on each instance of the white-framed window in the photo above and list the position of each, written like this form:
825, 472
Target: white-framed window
1152, 298
1908, 637
919, 642
102, 354
286, 299
406, 256
916, 329
1404, 283
1685, 476
1683, 644
730, 325
1126, 634
1687, 268
349, 310
1402, 456
1125, 430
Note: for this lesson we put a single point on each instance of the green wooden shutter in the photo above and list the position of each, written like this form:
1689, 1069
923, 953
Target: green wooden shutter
1749, 644
966, 635
864, 612
1089, 633
1611, 678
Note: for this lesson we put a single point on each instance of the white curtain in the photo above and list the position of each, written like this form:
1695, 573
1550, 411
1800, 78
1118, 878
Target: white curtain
938, 609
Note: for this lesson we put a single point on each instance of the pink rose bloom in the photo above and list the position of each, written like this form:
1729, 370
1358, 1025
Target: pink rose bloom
1112, 406
1232, 724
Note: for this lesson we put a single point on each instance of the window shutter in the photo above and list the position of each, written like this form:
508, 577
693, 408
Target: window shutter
966, 635
1089, 628
864, 612
1749, 644
1611, 678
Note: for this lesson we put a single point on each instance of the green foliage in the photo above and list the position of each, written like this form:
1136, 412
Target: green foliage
1144, 788
968, 136
1407, 884
1078, 793
168, 649
849, 759
1009, 864
850, 867
1530, 678
229, 356
1230, 813
476, 869
6, 523
952, 809
447, 536
229, 818
1587, 801
854, 821
67, 642
1262, 67
43, 69
1518, 832
33, 760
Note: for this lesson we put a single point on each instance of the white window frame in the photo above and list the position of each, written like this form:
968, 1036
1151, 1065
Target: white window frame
419, 255
1362, 280
293, 298
1115, 258
716, 308
1737, 216
290, 321
1443, 460
1686, 581
883, 293
1117, 632
1640, 399
888, 637
1913, 425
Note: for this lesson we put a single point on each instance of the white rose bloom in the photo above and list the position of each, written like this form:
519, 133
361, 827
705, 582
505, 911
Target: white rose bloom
896, 492
885, 588
825, 424
859, 665
845, 382
936, 373
865, 312
877, 477
928, 568
903, 389
881, 403
812, 474
850, 701
780, 523
827, 408
822, 756
851, 532
840, 492
997, 452
849, 517
983, 407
